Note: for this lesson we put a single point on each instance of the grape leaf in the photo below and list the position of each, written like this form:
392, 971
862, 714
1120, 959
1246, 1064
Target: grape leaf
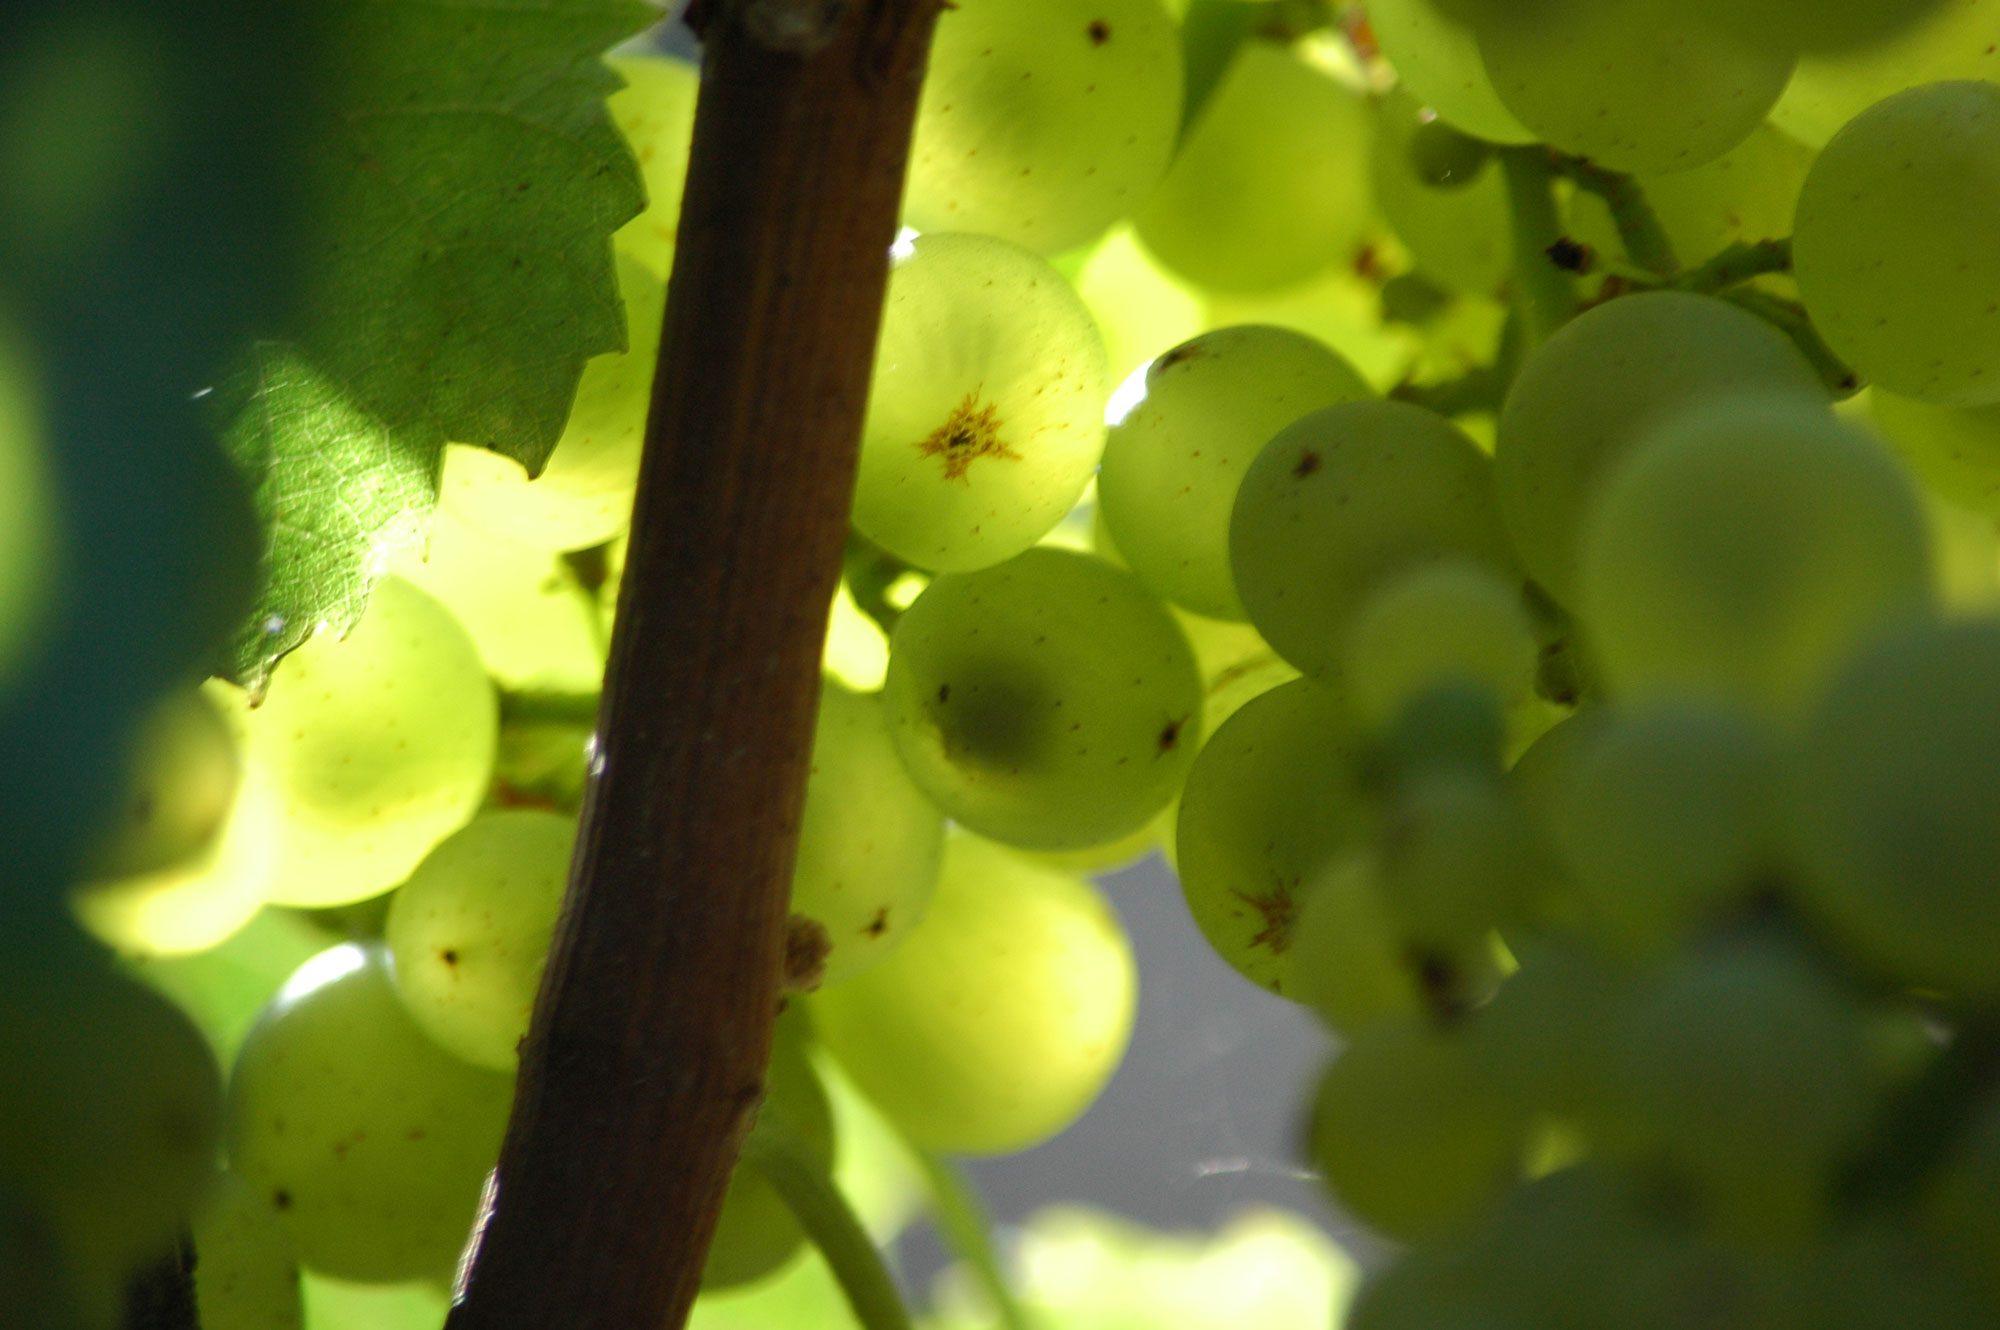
468, 181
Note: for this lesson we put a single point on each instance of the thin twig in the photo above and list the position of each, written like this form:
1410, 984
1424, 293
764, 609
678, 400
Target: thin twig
1740, 263
1790, 318
963, 1222
1545, 294
1639, 229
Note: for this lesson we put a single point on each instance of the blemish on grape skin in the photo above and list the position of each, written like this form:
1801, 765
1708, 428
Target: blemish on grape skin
281, 1199
1099, 32
878, 925
1278, 913
1307, 464
969, 433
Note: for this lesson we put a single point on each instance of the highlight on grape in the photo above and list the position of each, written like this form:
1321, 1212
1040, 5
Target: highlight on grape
1500, 498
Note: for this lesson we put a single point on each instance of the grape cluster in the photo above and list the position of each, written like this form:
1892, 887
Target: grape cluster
1502, 495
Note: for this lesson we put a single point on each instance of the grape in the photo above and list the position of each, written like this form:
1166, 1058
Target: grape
470, 929
1956, 1204
1896, 825
1450, 622
868, 841
1818, 25
182, 776
246, 1275
1270, 183
1048, 702
110, 1113
1412, 1136
1743, 548
986, 411
379, 745
1459, 234
1891, 243
1140, 309
1644, 85
1000, 1018
368, 1141
1590, 391
27, 515
223, 989
1954, 42
755, 1233
583, 497
340, 1304
1273, 798
1666, 816
1173, 463
534, 624
1344, 499
655, 113
1236, 664
1956, 450
1877, 1273
1439, 64
1043, 121
1457, 858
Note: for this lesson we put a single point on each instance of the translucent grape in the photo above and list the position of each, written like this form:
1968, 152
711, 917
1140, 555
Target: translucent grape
1344, 499
471, 928
1667, 818
109, 1123
1173, 462
183, 771
1743, 549
1438, 61
583, 497
246, 1274
986, 411
1450, 622
1819, 25
1273, 799
1956, 450
1891, 243
1236, 664
1645, 85
1457, 858
1412, 1136
367, 1140
1458, 234
1048, 702
342, 1304
1044, 121
655, 113
1270, 184
1590, 391
755, 1232
1140, 308
1001, 1017
868, 841
1831, 88
1897, 806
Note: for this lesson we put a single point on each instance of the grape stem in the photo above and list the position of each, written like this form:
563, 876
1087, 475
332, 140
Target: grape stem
161, 1296
1738, 264
548, 707
801, 1178
963, 1222
870, 571
1545, 294
1639, 230
646, 1053
1790, 318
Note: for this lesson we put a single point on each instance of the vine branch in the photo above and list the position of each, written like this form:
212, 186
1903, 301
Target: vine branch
645, 1057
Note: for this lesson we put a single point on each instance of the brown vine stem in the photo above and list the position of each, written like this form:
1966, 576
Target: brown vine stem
644, 1060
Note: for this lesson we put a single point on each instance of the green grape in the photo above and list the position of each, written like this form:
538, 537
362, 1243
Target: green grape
342, 1304
1438, 62
1831, 88
1746, 195
1341, 307
1745, 1068
1048, 702
1270, 184
181, 781
655, 113
534, 624
1743, 548
1274, 797
223, 989
868, 840
1645, 85
41, 1284
1412, 1135
986, 411
470, 929
1819, 25
1343, 500
1173, 461
27, 510
1549, 1033
110, 1115
1457, 858
1000, 1018
583, 497
1043, 121
194, 904
1140, 308
1956, 450
1452, 621
755, 1233
1876, 1273
246, 1274
1891, 243
1666, 819
1458, 235
1599, 384
1236, 664
367, 1140
379, 745
1896, 806
1956, 1208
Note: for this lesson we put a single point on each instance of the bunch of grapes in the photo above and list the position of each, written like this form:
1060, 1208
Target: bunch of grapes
1505, 496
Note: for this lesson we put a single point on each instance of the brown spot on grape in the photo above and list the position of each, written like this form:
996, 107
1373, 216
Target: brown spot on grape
944, 692
970, 432
1170, 736
1278, 913
879, 925
1099, 31
1180, 355
281, 1199
807, 946
449, 955
1307, 464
